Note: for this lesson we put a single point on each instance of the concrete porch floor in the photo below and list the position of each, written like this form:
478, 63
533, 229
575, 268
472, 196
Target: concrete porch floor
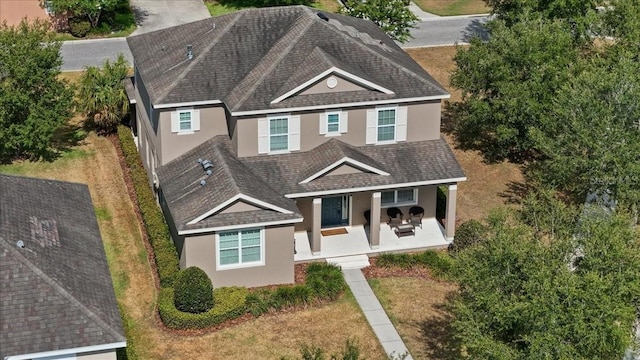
356, 242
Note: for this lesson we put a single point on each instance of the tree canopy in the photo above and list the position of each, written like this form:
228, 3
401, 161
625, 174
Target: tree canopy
34, 102
533, 293
90, 9
392, 16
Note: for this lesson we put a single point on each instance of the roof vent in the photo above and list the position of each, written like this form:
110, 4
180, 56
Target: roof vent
189, 52
209, 172
20, 244
206, 165
323, 16
202, 182
200, 161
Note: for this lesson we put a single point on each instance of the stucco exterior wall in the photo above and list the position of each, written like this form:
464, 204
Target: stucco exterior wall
341, 85
97, 355
306, 210
423, 123
201, 251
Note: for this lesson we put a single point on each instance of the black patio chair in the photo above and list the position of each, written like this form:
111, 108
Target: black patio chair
415, 216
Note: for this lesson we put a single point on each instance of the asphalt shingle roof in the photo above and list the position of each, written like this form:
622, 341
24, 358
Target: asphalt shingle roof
56, 292
249, 58
270, 178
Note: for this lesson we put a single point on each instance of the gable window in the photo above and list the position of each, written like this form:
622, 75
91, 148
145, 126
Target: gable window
278, 134
185, 121
386, 125
399, 197
240, 248
333, 123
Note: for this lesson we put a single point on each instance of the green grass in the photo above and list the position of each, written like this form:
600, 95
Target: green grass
222, 7
453, 7
29, 167
118, 23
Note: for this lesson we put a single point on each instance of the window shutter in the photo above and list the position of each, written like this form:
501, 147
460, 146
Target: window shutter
175, 122
401, 124
294, 133
323, 123
344, 121
195, 120
263, 136
372, 126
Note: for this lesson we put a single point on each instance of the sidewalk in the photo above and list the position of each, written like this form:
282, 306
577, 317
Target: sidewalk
377, 318
423, 15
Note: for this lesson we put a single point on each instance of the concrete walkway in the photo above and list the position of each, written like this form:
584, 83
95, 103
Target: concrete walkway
421, 14
377, 318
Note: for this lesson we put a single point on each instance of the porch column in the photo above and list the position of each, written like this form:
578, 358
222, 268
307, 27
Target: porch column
450, 226
374, 223
316, 212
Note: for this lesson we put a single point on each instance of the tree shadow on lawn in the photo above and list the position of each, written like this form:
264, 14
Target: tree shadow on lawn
516, 192
439, 342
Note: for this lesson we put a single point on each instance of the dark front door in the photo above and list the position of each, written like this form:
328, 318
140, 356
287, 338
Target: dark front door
332, 211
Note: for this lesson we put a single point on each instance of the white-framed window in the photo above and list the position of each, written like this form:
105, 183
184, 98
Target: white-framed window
399, 197
185, 121
240, 248
386, 125
278, 134
333, 122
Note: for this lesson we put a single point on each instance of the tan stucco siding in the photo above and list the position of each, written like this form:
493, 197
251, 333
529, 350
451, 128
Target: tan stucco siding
238, 206
342, 170
306, 210
201, 251
360, 202
13, 11
212, 122
341, 85
423, 123
98, 355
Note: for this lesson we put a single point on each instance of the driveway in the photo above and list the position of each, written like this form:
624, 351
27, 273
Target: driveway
154, 15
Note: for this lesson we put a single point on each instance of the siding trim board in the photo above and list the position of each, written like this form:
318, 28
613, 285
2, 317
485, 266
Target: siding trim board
72, 351
239, 226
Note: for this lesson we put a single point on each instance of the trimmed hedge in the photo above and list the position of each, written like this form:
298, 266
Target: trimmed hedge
164, 251
229, 304
193, 292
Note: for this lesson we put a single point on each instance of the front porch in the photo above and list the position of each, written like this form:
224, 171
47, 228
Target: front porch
356, 241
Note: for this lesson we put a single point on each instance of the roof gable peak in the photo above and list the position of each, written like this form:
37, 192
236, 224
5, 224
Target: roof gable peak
243, 198
345, 161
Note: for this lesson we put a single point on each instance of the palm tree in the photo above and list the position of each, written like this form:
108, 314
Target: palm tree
102, 94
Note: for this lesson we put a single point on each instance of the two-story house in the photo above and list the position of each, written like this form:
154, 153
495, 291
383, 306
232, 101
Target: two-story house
269, 125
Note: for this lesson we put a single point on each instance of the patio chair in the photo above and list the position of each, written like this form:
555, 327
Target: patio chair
415, 216
394, 212
395, 222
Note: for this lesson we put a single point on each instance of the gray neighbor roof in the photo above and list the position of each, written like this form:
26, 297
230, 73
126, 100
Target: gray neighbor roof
271, 178
249, 58
56, 291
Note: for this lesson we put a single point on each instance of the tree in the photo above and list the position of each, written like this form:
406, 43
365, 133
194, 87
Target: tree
102, 94
596, 146
523, 296
90, 9
193, 291
34, 102
392, 16
509, 83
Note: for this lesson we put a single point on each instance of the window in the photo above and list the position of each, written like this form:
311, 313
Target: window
333, 123
399, 197
185, 120
279, 134
240, 248
386, 125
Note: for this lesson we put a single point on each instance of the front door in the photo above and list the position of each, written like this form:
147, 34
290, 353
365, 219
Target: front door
335, 211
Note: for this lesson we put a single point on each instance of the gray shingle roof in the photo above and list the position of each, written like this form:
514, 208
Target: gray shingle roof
270, 178
249, 58
56, 292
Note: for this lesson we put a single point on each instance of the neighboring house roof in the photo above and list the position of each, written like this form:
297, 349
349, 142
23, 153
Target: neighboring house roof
56, 290
252, 57
277, 179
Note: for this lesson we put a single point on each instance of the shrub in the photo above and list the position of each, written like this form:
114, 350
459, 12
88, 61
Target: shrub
439, 262
193, 292
258, 302
79, 27
164, 251
325, 281
288, 296
468, 234
229, 304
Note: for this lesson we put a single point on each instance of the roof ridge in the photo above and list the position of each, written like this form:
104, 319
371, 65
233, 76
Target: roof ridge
377, 54
266, 67
59, 289
203, 53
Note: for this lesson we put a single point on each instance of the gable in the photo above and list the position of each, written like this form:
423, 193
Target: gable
330, 84
345, 169
345, 166
239, 203
239, 206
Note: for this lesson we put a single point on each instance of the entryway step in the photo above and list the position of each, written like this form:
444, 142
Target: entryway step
350, 262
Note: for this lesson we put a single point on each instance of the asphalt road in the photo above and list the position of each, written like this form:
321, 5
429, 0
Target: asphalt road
432, 32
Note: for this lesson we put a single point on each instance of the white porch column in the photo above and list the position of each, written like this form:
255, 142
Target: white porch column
316, 212
450, 226
374, 222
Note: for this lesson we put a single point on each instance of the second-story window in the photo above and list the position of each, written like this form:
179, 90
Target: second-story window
386, 124
333, 123
279, 134
185, 120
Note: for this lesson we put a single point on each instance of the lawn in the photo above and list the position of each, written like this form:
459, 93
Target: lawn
221, 7
453, 7
95, 162
488, 185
